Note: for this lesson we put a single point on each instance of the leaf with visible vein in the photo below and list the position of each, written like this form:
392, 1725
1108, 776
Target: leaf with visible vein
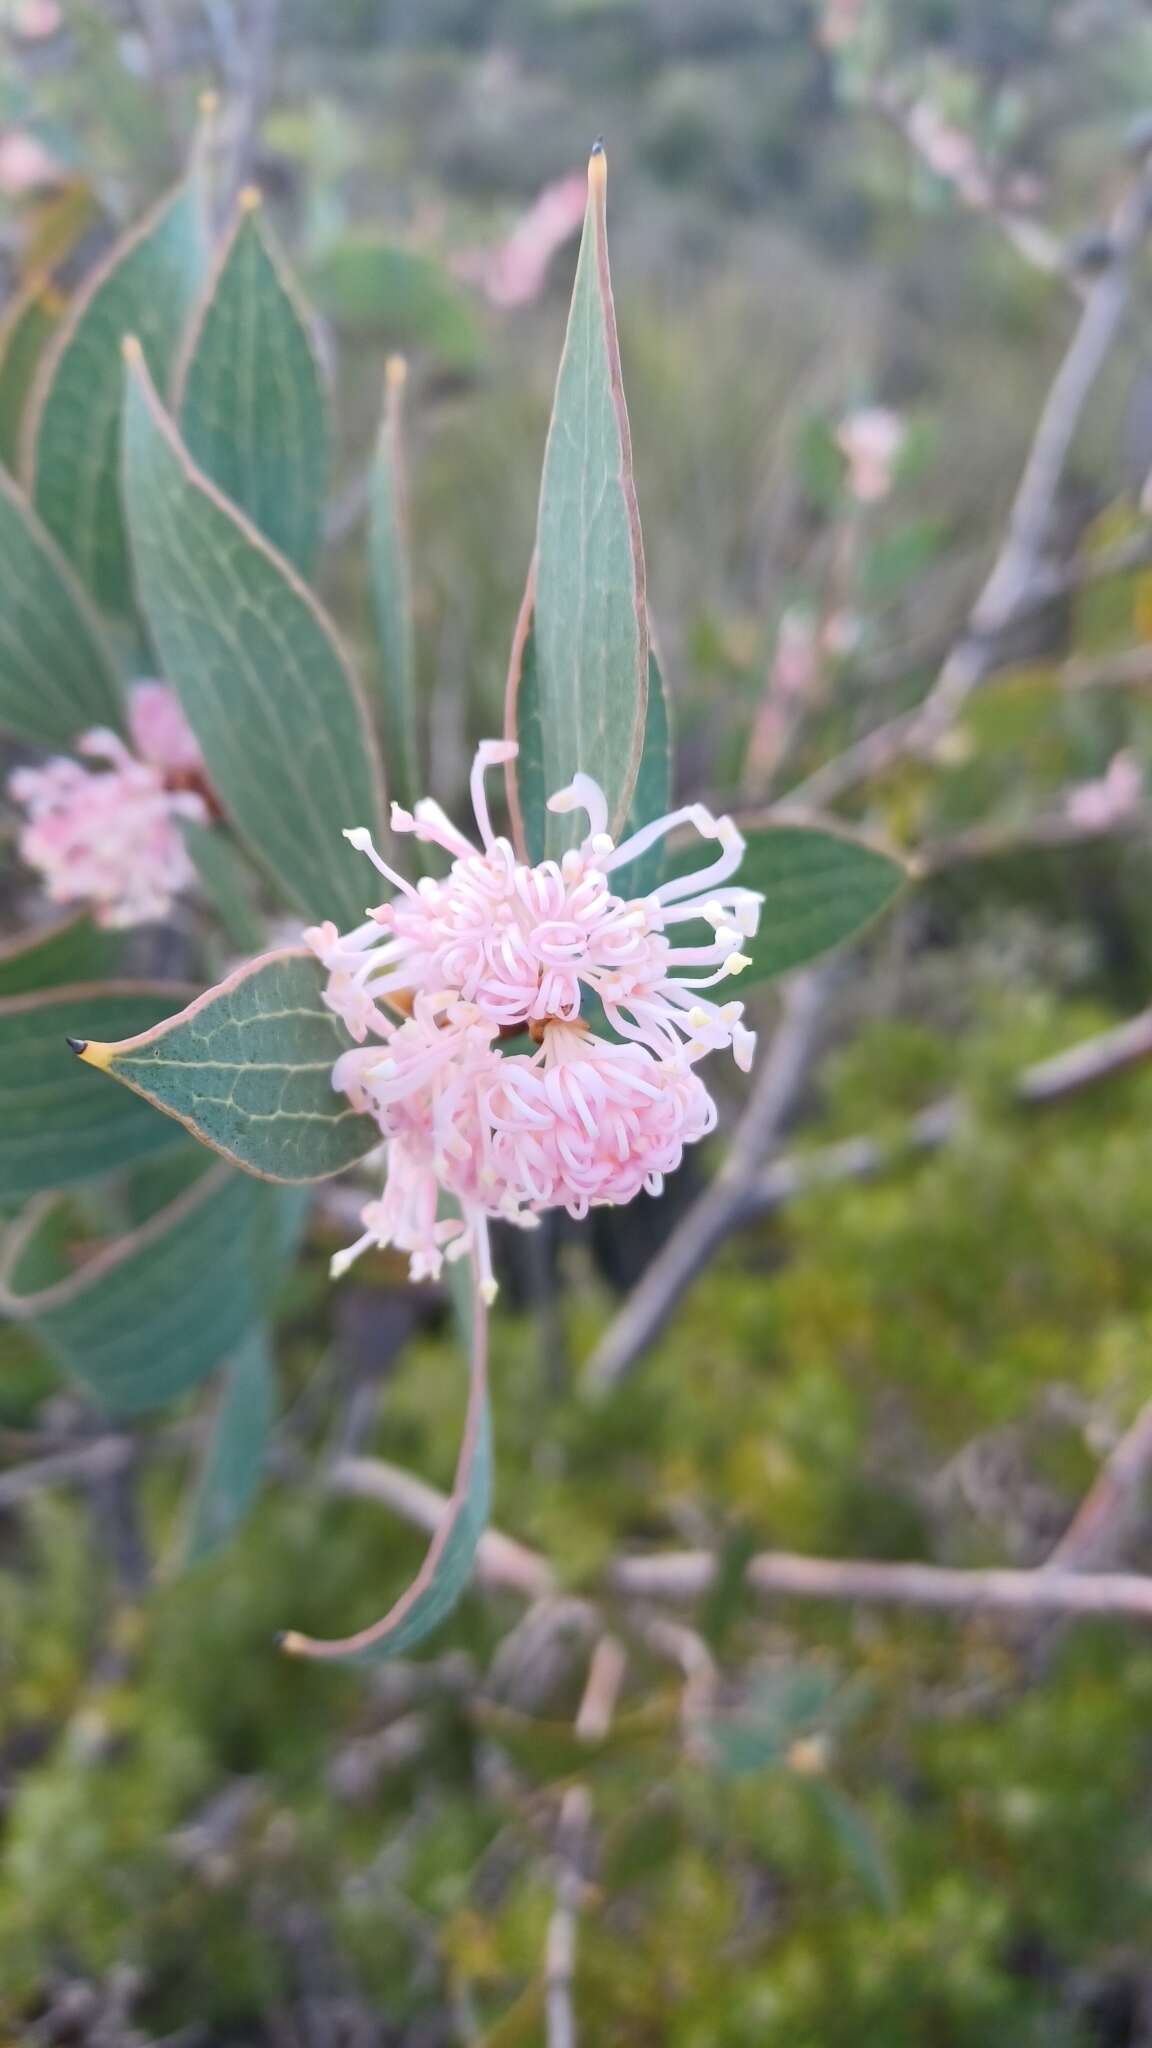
147, 287
247, 1069
279, 715
820, 887
151, 1315
250, 396
58, 1124
447, 1568
233, 1465
57, 676
591, 627
392, 592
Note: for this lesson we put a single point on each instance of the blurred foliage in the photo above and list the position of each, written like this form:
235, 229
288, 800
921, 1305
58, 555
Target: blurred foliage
892, 1831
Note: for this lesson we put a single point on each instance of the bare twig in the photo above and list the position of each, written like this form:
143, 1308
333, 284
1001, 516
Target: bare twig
1023, 573
687, 1575
593, 1720
782, 1076
1113, 1508
97, 1460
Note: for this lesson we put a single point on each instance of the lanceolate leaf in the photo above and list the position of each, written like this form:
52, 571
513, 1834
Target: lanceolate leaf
57, 677
147, 287
447, 1568
247, 1068
820, 887
250, 395
28, 326
652, 797
152, 1315
591, 631
529, 789
59, 1124
277, 711
392, 590
67, 950
230, 1476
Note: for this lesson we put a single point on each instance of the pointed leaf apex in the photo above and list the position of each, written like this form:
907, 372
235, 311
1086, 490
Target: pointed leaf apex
598, 166
396, 372
131, 349
251, 199
93, 1053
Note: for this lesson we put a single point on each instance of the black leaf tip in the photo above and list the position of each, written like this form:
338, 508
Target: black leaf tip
597, 148
77, 1045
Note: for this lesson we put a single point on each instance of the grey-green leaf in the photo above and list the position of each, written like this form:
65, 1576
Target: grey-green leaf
392, 591
147, 287
280, 717
250, 397
447, 1568
233, 1465
58, 1123
651, 797
29, 324
591, 628
820, 887
247, 1069
151, 1315
69, 949
57, 676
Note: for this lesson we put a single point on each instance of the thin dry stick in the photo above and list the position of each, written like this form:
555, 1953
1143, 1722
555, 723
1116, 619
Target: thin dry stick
593, 1720
780, 1574
1022, 573
779, 1083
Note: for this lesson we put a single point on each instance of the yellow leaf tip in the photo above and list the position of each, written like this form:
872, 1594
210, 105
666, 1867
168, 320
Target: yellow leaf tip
251, 199
396, 372
91, 1052
598, 164
131, 349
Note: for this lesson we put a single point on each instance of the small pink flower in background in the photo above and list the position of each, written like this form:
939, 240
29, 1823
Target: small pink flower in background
796, 661
1112, 799
949, 152
34, 21
514, 273
109, 835
25, 165
839, 23
498, 947
870, 439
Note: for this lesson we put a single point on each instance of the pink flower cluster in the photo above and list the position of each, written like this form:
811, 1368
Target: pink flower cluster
447, 967
109, 835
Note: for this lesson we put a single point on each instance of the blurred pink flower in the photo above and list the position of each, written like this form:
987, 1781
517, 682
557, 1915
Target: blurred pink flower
25, 164
499, 946
949, 152
515, 271
870, 440
109, 836
839, 23
1112, 799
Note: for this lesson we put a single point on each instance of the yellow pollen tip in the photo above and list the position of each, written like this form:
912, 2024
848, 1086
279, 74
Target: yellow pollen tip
737, 962
697, 1018
488, 1292
294, 1643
